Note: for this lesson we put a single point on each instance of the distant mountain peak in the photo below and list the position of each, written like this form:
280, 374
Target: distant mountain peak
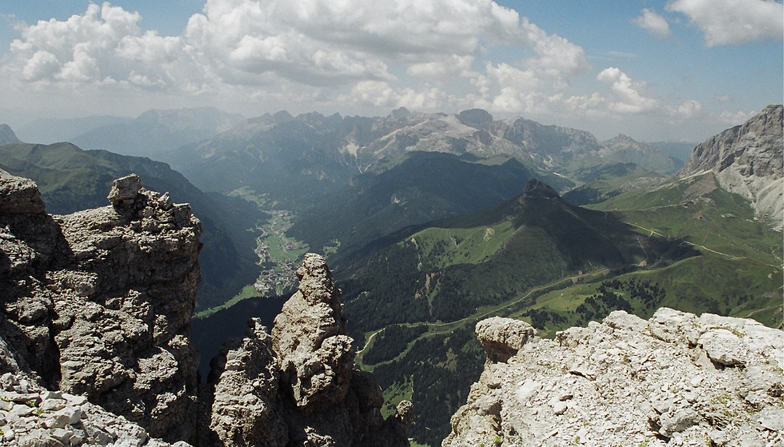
477, 118
7, 136
400, 113
623, 138
747, 160
536, 189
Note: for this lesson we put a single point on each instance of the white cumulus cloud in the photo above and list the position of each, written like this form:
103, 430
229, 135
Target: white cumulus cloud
733, 22
628, 95
654, 23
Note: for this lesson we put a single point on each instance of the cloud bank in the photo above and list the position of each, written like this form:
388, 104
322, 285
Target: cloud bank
349, 55
733, 22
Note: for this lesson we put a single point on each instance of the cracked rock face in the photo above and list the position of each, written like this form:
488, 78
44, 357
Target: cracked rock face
99, 302
677, 379
309, 337
298, 386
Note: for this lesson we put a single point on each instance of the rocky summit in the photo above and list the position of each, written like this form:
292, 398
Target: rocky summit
298, 386
95, 339
676, 379
98, 303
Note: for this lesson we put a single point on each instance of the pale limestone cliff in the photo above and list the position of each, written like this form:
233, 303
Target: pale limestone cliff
676, 380
747, 160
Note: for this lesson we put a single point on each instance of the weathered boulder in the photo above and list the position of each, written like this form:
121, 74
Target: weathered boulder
503, 337
676, 379
19, 195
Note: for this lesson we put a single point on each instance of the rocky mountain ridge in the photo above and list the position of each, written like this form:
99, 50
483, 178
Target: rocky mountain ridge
297, 385
95, 339
329, 150
747, 160
676, 379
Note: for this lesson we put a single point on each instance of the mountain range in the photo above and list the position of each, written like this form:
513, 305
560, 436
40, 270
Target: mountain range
434, 221
157, 131
317, 152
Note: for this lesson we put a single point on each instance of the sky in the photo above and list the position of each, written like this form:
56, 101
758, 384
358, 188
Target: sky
670, 70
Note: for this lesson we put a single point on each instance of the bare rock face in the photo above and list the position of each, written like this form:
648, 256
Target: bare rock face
677, 379
298, 385
747, 160
309, 338
98, 303
246, 408
31, 415
19, 195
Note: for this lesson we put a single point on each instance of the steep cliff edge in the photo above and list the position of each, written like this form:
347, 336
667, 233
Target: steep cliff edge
747, 160
95, 339
676, 379
98, 303
298, 386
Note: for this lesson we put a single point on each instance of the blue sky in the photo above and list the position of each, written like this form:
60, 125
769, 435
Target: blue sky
655, 70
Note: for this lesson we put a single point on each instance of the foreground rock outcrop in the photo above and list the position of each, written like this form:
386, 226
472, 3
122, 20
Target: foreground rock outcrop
748, 160
676, 379
98, 303
298, 386
95, 339
31, 415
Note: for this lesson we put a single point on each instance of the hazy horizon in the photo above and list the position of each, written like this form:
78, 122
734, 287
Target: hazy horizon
678, 70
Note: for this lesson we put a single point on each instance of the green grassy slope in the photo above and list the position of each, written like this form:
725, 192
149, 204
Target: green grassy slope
461, 269
686, 245
606, 181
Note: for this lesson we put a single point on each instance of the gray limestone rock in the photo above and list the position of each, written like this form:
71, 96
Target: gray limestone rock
630, 382
100, 301
246, 409
124, 190
309, 338
47, 418
19, 195
298, 386
503, 337
748, 160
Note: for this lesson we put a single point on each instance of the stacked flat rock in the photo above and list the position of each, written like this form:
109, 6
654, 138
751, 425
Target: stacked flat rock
298, 385
675, 380
32, 416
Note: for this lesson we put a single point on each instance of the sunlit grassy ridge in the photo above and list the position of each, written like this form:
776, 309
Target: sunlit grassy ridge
731, 265
443, 247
